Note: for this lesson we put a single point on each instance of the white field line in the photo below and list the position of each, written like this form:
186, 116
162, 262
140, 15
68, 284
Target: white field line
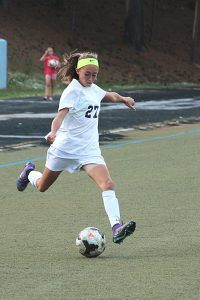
27, 116
9, 136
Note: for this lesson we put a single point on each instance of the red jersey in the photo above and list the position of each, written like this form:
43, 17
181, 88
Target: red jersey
48, 69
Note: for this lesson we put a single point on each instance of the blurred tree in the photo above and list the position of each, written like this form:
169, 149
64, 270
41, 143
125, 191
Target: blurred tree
134, 25
152, 19
196, 30
60, 4
4, 3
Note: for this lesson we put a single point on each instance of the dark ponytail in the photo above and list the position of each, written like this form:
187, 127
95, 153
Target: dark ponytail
67, 71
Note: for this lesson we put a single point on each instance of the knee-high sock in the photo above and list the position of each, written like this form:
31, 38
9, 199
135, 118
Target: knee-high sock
111, 206
34, 176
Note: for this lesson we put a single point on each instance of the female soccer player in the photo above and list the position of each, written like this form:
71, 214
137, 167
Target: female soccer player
74, 137
51, 63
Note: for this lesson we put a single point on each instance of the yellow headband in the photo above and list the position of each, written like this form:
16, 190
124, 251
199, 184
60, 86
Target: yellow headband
87, 61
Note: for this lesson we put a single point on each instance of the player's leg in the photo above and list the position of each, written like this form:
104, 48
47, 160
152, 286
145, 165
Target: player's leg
101, 176
53, 84
41, 181
47, 86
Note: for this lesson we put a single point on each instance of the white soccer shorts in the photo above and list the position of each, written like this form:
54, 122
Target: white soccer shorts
56, 162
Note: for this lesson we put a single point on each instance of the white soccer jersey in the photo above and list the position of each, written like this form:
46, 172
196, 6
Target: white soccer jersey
78, 134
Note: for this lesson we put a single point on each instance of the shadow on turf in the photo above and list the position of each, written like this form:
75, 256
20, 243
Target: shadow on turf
105, 257
103, 138
110, 137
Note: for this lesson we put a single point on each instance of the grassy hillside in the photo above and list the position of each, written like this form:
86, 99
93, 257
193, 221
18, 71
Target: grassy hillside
31, 26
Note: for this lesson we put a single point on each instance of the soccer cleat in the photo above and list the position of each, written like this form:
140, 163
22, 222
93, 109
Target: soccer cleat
23, 181
121, 231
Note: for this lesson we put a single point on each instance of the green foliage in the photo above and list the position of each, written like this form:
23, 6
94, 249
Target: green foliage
26, 85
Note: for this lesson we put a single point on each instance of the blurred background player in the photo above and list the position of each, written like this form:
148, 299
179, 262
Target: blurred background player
51, 65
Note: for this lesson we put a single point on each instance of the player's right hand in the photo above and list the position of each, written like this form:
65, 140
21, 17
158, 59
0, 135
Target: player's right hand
50, 137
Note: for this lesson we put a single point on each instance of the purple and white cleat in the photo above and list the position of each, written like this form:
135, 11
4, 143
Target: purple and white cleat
121, 231
23, 181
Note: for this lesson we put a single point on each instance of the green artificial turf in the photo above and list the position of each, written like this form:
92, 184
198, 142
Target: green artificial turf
158, 185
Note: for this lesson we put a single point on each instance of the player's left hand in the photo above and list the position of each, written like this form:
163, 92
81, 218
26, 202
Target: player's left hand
130, 102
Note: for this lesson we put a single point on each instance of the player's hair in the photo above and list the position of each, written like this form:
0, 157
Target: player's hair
67, 71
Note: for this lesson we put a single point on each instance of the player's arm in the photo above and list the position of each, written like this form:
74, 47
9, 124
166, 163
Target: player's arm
116, 98
43, 56
55, 125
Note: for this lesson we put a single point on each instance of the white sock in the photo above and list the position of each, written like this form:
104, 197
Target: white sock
34, 176
111, 206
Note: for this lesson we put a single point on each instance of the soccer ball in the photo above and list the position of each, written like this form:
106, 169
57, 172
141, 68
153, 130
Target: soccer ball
53, 63
91, 242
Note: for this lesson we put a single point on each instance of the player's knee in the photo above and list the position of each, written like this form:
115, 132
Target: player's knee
42, 188
108, 185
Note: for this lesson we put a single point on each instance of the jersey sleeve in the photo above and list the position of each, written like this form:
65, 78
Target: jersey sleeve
101, 93
68, 98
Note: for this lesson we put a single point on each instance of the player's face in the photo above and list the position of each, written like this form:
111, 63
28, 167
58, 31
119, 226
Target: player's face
50, 51
87, 75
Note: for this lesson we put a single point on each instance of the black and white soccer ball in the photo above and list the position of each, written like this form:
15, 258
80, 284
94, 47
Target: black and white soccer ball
91, 242
53, 63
